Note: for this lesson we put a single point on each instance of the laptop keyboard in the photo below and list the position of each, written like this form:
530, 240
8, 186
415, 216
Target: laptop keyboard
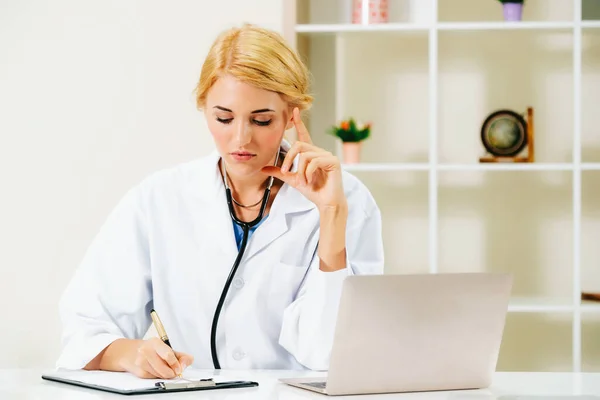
318, 385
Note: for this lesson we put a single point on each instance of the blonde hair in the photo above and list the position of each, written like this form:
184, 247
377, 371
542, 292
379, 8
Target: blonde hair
259, 57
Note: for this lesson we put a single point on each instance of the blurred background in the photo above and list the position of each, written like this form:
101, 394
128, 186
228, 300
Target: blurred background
95, 95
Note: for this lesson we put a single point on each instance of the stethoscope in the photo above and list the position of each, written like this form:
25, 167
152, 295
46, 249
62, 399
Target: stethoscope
246, 230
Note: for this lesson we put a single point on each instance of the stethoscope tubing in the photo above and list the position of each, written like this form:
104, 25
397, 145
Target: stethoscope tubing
246, 231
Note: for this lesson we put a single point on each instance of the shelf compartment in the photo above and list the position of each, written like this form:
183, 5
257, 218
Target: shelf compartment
590, 232
523, 350
516, 223
389, 93
480, 65
590, 12
543, 11
590, 345
339, 12
402, 197
590, 95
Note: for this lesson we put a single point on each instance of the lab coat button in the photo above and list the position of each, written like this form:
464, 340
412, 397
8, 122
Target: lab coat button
238, 283
238, 354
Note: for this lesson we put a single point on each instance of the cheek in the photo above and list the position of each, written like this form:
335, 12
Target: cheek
218, 131
272, 135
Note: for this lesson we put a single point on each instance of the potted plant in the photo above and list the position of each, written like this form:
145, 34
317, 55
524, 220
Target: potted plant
513, 9
352, 135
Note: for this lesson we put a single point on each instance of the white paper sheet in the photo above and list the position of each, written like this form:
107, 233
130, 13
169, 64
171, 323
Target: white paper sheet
120, 380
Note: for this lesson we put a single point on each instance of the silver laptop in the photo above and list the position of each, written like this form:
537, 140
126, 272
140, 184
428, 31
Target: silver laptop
412, 333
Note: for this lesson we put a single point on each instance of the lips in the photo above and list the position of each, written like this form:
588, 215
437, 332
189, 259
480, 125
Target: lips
242, 155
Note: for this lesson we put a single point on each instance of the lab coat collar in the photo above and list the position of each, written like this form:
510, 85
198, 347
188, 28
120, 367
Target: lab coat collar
288, 201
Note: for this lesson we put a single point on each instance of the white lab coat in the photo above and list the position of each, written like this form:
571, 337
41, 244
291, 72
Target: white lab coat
169, 245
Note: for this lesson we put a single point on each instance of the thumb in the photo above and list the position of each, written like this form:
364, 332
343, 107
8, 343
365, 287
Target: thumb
184, 359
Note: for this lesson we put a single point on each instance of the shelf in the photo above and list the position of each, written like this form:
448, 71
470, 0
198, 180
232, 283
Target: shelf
339, 28
493, 26
590, 166
590, 307
590, 24
386, 167
543, 305
539, 305
382, 167
507, 167
442, 26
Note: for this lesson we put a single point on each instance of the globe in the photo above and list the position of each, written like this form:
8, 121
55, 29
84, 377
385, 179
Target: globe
504, 133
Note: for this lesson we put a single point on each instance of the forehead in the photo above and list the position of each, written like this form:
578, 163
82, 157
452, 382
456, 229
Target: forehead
240, 96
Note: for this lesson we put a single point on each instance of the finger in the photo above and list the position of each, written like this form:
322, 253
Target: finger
158, 364
184, 359
296, 148
305, 159
324, 162
143, 369
276, 173
168, 355
303, 134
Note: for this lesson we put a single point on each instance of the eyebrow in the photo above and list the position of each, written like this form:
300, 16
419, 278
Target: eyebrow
262, 110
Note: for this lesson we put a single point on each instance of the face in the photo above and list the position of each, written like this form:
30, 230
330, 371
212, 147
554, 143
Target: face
247, 124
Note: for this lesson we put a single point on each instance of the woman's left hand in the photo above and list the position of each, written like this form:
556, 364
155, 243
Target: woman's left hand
319, 173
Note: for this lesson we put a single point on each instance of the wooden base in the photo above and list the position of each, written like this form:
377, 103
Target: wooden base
590, 296
491, 159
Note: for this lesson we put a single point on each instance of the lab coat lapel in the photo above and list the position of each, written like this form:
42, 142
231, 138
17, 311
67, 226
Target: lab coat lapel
216, 218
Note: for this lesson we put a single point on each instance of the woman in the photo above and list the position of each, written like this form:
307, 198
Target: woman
170, 243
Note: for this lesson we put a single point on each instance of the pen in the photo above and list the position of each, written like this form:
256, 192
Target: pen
161, 330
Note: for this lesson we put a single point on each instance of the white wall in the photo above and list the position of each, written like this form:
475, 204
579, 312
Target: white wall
94, 95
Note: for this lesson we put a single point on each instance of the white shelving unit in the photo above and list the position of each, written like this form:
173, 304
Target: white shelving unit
331, 40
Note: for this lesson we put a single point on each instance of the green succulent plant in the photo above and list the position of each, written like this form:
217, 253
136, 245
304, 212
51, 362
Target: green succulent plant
350, 131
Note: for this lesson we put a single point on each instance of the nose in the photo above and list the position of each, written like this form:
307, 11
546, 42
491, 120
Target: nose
243, 134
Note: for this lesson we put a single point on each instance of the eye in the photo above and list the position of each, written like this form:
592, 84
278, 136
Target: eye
262, 123
224, 120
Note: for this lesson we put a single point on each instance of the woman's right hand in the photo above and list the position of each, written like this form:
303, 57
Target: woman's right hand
154, 359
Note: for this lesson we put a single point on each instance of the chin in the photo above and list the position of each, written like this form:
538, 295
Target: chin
249, 167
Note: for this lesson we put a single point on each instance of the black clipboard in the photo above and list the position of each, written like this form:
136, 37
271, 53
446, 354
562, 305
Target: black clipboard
159, 387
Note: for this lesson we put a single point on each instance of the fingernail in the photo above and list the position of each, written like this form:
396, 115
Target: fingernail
284, 168
183, 367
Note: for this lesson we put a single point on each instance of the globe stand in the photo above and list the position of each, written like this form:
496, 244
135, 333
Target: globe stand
526, 155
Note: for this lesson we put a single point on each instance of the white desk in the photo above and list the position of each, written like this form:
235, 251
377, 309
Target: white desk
25, 384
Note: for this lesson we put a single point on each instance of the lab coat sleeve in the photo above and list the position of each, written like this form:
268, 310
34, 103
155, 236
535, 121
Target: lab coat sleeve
109, 296
309, 322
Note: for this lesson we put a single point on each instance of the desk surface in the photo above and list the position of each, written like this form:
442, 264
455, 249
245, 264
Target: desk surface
26, 384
